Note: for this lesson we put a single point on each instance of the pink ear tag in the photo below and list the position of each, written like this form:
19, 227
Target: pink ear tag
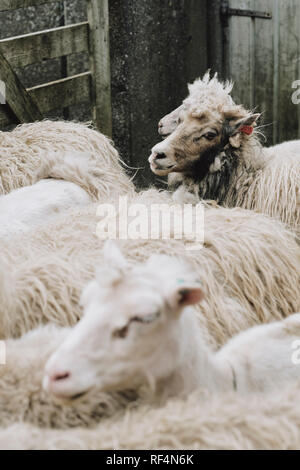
246, 130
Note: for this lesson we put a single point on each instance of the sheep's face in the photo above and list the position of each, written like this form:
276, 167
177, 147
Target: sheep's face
128, 334
169, 123
194, 136
200, 136
207, 91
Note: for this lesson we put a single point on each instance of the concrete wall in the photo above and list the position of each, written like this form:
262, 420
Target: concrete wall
156, 48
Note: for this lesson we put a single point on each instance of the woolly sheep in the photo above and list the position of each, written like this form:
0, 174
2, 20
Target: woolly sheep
48, 149
214, 154
150, 427
138, 327
249, 265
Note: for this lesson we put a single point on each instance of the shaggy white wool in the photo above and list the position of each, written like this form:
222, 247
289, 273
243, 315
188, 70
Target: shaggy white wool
202, 421
54, 149
249, 266
250, 271
209, 91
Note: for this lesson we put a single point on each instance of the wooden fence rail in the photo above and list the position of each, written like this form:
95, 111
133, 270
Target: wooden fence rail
94, 86
28, 49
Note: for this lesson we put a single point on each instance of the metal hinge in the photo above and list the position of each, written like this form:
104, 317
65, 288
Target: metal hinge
226, 11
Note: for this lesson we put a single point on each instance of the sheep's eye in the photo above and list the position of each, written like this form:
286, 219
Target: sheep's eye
210, 135
120, 332
196, 139
146, 318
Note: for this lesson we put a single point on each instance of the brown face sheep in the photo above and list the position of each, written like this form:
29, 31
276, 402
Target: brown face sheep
213, 152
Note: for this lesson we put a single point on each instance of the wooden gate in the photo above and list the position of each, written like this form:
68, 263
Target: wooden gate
263, 59
94, 86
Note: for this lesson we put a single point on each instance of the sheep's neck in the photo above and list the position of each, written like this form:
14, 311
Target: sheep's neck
198, 366
226, 175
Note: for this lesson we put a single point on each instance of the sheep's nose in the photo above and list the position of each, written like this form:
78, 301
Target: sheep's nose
59, 377
160, 125
160, 156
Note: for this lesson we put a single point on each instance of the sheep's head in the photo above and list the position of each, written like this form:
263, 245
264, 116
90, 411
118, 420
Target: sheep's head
169, 123
206, 91
201, 135
129, 330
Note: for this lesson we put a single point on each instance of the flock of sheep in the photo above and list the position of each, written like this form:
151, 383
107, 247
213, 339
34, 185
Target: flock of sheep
124, 345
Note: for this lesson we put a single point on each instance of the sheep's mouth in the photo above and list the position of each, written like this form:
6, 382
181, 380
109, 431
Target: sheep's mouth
76, 396
161, 170
79, 395
160, 167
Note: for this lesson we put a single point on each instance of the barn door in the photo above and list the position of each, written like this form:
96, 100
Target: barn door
263, 59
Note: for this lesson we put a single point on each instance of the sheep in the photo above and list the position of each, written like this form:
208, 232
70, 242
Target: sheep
214, 153
249, 265
49, 149
139, 327
100, 352
26, 208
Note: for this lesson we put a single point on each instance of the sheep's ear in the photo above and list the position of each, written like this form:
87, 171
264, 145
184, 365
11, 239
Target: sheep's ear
186, 295
112, 255
246, 121
245, 125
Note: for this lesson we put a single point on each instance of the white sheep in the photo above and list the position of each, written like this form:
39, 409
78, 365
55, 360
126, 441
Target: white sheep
140, 339
213, 152
27, 208
137, 328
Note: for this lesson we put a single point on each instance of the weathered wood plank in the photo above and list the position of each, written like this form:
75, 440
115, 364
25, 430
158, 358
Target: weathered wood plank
264, 67
36, 47
6, 5
98, 16
275, 96
62, 93
288, 63
241, 53
16, 96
